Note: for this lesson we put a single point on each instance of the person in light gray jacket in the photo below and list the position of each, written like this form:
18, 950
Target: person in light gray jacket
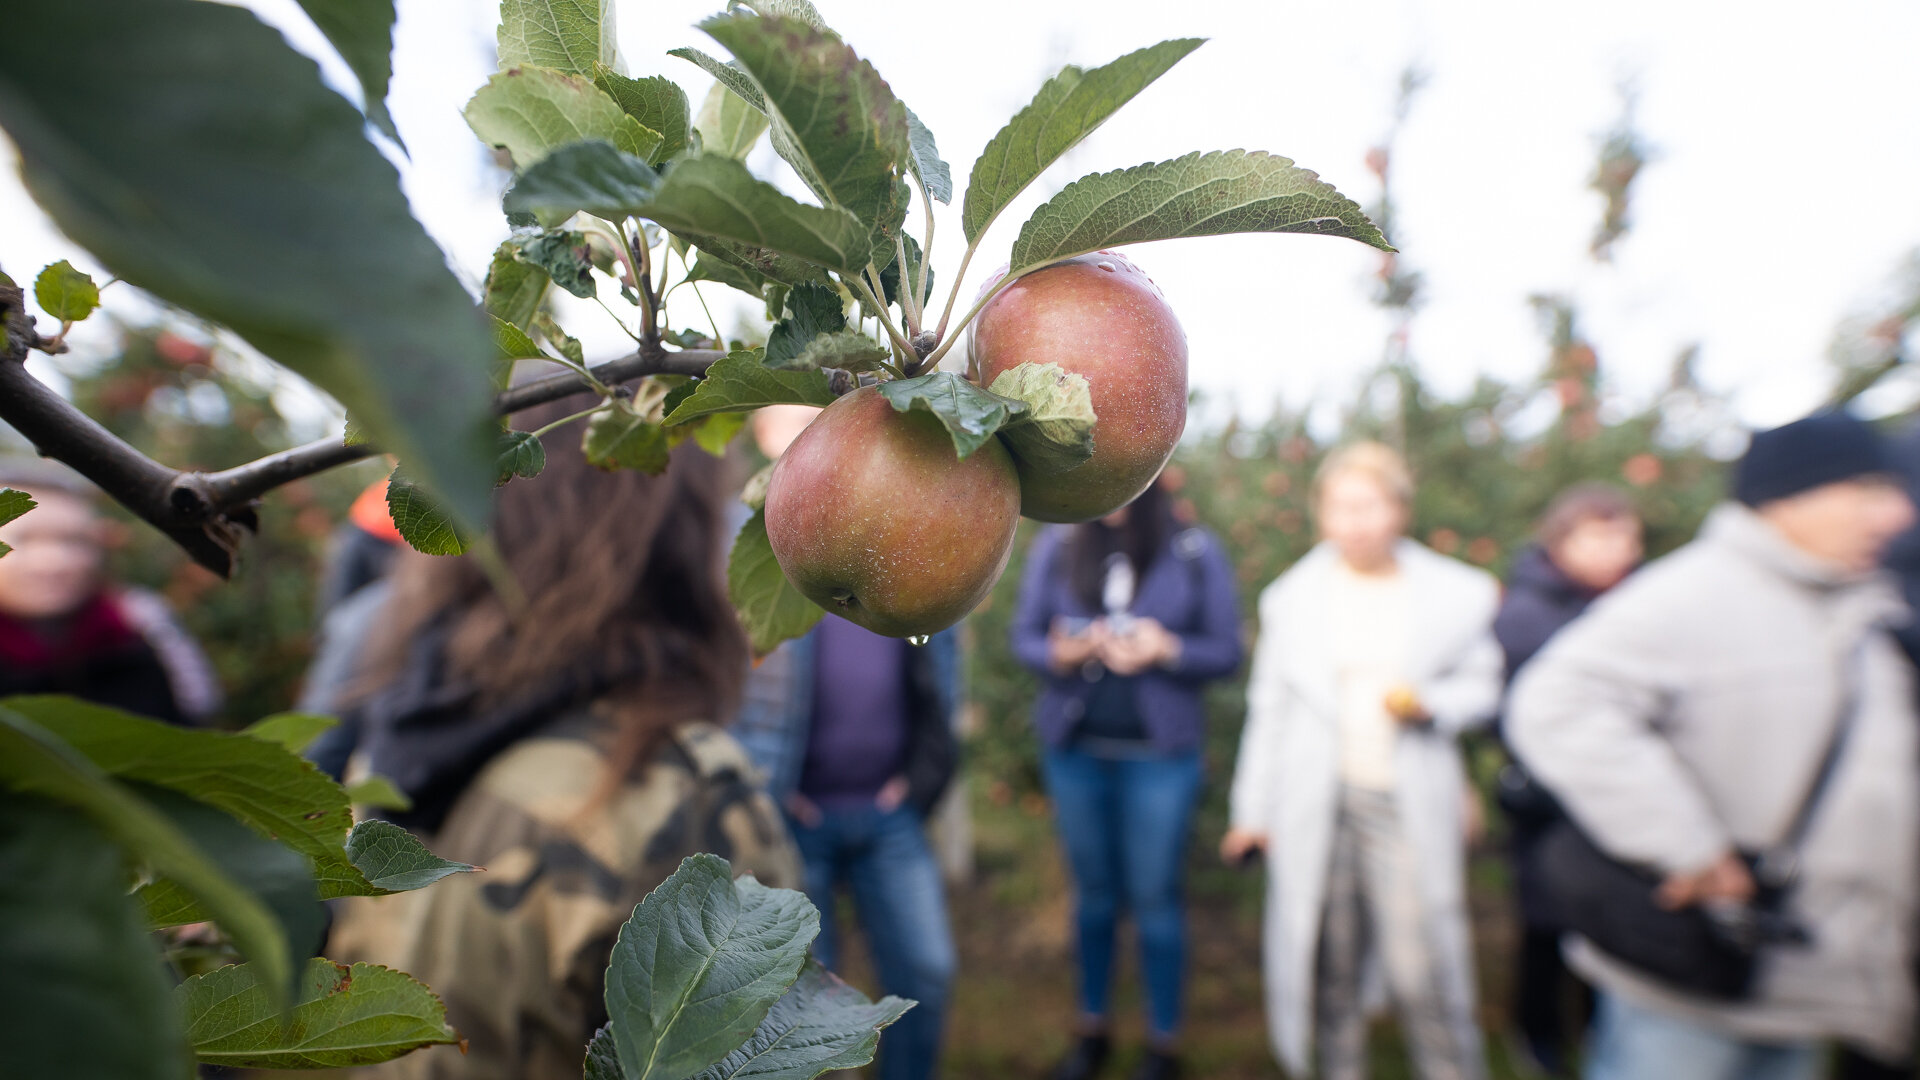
1684, 718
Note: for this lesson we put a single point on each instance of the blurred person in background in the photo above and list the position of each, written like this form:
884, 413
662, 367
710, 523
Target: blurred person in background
1588, 540
1127, 618
353, 591
1736, 697
1374, 654
853, 735
565, 741
67, 628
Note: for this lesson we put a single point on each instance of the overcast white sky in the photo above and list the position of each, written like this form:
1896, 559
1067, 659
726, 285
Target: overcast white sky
1785, 192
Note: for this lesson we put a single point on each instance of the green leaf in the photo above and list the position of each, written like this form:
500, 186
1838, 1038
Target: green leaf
521, 454
590, 176
821, 1025
514, 289
771, 265
716, 431
279, 876
843, 118
728, 124
568, 345
603, 1058
566, 258
85, 993
1226, 191
847, 350
343, 1016
1066, 110
292, 731
740, 382
394, 860
618, 438
13, 503
707, 195
699, 964
926, 162
65, 293
709, 267
1057, 431
362, 33
513, 343
533, 111
791, 9
573, 36
655, 103
422, 522
813, 309
770, 608
377, 792
732, 76
197, 156
970, 415
34, 760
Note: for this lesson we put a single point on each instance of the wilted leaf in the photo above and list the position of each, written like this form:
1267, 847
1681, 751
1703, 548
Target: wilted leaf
848, 350
1227, 191
291, 731
1057, 431
532, 111
198, 156
566, 258
65, 293
655, 103
361, 31
739, 381
821, 1025
926, 160
377, 792
699, 964
707, 195
422, 522
812, 309
77, 955
728, 124
754, 492
618, 438
514, 288
1066, 110
572, 36
521, 454
592, 176
36, 761
343, 1016
394, 860
970, 415
843, 118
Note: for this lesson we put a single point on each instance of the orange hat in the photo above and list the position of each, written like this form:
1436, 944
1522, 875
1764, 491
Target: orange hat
370, 513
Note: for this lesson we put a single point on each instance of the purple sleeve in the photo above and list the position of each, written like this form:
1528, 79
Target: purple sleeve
1214, 650
1034, 615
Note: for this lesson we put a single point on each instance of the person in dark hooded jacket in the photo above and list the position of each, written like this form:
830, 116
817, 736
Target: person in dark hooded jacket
1587, 541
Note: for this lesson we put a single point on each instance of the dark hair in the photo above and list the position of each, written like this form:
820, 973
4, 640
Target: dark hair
624, 585
1578, 504
1141, 538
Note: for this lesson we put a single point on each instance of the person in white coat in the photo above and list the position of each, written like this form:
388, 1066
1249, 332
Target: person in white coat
1374, 654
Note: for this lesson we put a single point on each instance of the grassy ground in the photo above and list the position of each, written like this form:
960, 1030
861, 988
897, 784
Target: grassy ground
1013, 1003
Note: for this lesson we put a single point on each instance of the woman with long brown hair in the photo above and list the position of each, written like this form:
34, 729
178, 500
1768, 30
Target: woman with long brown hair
564, 739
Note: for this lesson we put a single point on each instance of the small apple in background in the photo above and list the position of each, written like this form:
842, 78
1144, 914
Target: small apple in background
1101, 317
873, 515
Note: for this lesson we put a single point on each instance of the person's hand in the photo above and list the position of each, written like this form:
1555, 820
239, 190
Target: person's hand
1725, 879
1238, 844
1068, 652
803, 810
1145, 644
1403, 704
892, 794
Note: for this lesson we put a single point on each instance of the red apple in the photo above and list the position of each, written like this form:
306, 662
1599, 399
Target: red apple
1099, 316
875, 517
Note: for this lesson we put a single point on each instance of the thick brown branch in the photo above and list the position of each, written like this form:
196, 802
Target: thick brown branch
207, 513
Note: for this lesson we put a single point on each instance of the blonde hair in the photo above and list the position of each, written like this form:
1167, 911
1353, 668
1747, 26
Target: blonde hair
1376, 461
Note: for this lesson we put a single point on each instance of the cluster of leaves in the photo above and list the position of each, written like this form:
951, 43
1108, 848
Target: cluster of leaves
113, 826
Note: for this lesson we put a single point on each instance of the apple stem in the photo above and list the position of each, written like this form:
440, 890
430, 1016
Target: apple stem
909, 308
920, 290
986, 298
872, 297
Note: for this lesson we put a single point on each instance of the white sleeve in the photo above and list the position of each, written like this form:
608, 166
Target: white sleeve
1257, 767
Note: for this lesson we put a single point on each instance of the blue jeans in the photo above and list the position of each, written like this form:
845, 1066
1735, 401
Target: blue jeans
1634, 1043
883, 859
1124, 824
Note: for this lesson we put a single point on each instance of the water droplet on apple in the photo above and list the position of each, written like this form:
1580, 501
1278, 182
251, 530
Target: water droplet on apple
919, 639
1107, 266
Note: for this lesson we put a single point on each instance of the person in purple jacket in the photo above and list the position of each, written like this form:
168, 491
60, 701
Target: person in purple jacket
1127, 618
